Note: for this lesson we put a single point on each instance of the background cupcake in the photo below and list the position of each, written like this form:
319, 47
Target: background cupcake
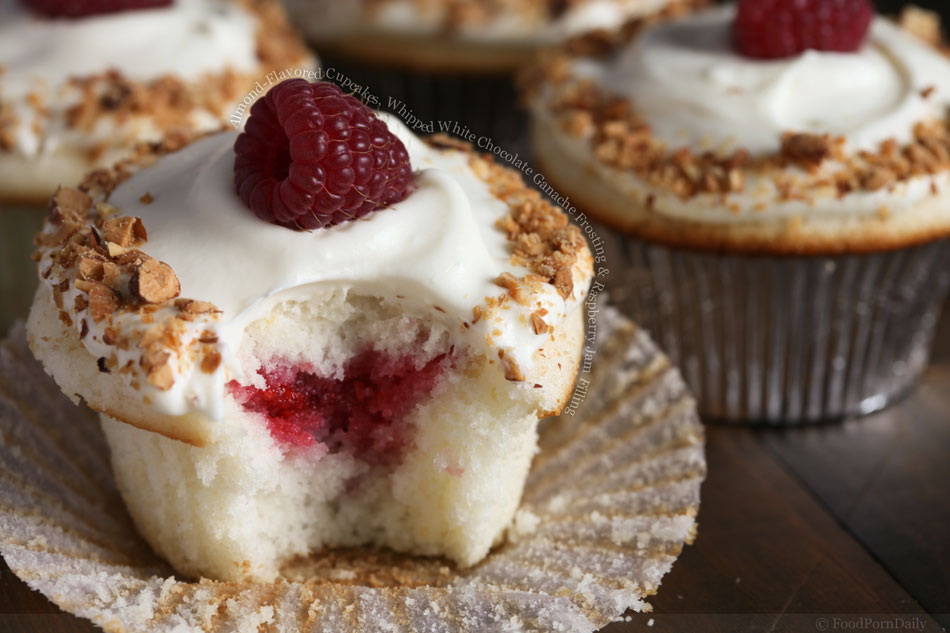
450, 60
783, 190
82, 83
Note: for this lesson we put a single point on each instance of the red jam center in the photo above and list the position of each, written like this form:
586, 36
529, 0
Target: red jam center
362, 413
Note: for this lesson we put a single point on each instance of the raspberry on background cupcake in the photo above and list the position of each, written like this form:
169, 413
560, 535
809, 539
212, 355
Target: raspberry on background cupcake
780, 170
326, 331
84, 81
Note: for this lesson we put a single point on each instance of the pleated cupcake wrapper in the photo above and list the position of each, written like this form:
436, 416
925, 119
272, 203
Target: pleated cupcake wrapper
609, 504
487, 105
787, 340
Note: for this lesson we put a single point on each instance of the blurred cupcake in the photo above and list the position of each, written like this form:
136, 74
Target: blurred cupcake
83, 81
780, 170
452, 56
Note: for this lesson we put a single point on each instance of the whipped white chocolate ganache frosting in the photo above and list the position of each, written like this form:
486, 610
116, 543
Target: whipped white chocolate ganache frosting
437, 252
39, 56
692, 88
695, 90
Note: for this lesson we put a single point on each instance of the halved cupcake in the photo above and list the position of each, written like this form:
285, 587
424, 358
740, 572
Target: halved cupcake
363, 359
82, 82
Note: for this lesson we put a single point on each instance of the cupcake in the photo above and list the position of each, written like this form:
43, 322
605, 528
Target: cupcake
458, 35
82, 82
321, 332
780, 172
449, 60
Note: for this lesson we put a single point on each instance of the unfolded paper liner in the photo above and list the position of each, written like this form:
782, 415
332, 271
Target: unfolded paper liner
610, 502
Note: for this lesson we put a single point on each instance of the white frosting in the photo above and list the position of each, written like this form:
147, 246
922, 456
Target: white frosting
439, 247
602, 14
39, 55
329, 18
694, 90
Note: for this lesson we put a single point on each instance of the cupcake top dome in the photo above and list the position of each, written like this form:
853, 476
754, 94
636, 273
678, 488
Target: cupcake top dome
160, 267
678, 116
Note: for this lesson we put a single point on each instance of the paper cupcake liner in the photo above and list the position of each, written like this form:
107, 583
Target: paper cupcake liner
610, 502
485, 105
787, 340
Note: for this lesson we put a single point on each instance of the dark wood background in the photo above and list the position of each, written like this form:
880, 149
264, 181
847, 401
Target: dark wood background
842, 527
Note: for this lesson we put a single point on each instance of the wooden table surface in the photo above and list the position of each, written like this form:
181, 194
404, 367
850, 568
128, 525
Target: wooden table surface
842, 527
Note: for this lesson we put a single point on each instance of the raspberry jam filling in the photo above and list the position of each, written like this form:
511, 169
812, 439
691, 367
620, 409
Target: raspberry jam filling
362, 413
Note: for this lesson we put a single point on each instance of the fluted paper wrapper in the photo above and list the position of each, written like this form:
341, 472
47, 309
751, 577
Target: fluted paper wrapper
787, 340
611, 500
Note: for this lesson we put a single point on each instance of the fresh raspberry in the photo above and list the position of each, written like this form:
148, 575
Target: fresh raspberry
82, 8
772, 29
311, 156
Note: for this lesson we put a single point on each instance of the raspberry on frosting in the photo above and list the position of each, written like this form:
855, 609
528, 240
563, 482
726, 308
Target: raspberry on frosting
312, 157
83, 8
772, 29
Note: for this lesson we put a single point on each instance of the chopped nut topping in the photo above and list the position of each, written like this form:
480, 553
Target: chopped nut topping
537, 320
189, 306
210, 362
131, 257
161, 377
512, 370
620, 138
91, 267
922, 23
114, 249
124, 231
154, 282
68, 205
103, 300
147, 198
807, 149
208, 337
564, 282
